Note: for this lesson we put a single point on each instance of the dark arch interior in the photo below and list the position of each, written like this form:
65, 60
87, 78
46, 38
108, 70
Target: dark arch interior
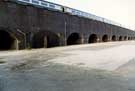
125, 38
128, 38
52, 41
45, 40
93, 38
6, 41
120, 38
73, 39
105, 38
113, 38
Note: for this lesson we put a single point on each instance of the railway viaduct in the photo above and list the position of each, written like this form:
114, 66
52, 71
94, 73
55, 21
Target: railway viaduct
28, 26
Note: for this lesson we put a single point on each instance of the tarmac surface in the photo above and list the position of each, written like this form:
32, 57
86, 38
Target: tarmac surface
91, 67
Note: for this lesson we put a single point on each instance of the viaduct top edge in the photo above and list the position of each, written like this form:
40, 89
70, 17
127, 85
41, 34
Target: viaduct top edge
71, 11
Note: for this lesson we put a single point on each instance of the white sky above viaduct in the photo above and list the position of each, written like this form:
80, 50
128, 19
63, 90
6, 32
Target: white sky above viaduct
121, 11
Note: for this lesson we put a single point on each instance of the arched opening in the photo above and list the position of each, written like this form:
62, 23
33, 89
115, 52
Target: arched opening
52, 41
93, 38
113, 38
128, 38
120, 38
45, 40
73, 39
125, 38
105, 38
7, 42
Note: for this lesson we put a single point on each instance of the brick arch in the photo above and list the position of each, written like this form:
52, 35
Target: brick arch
120, 38
74, 38
105, 38
17, 35
114, 38
45, 39
93, 38
8, 39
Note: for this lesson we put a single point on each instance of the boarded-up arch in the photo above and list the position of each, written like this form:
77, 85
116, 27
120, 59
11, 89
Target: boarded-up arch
45, 39
125, 38
73, 39
128, 38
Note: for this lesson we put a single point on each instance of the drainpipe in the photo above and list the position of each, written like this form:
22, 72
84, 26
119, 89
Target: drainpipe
23, 35
65, 33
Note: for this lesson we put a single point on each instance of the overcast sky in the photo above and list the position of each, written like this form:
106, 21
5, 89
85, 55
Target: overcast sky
121, 11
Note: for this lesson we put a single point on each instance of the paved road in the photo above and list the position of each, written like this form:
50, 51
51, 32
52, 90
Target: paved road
95, 67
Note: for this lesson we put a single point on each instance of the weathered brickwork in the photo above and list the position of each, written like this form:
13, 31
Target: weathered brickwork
33, 27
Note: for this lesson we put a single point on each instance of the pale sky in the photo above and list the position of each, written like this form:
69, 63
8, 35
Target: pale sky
121, 11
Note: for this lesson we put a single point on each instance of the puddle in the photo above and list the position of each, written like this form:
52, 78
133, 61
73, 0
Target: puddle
2, 62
